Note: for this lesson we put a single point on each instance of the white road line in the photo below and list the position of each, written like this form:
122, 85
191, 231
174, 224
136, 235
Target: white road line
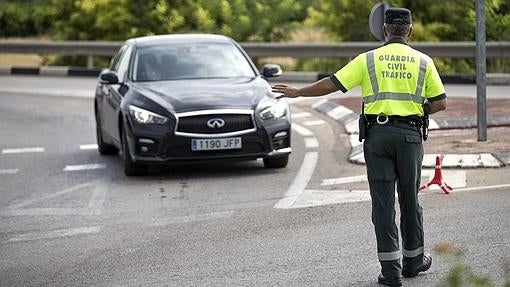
302, 130
482, 187
342, 180
88, 146
300, 181
22, 150
312, 198
301, 115
314, 123
192, 218
56, 234
54, 211
96, 201
85, 167
339, 112
9, 171
455, 178
59, 193
311, 143
94, 207
433, 125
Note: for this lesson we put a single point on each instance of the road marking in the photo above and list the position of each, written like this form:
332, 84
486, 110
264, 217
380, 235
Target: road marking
433, 125
339, 112
55, 234
300, 181
342, 180
88, 146
314, 123
49, 196
55, 211
302, 130
311, 143
9, 171
301, 115
94, 207
192, 218
482, 187
22, 150
96, 201
85, 167
311, 198
454, 178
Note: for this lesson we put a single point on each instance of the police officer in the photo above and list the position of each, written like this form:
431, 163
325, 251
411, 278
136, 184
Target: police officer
397, 83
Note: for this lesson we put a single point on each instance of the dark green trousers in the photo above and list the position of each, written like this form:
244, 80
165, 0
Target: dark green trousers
394, 155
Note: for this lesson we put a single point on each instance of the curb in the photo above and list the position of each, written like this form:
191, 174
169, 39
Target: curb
349, 119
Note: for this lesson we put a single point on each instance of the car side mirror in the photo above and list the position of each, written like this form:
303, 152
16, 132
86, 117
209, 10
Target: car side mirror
271, 70
108, 77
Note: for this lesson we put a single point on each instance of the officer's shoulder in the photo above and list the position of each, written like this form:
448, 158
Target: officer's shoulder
423, 55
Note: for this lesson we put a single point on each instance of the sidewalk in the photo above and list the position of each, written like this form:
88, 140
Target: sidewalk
452, 133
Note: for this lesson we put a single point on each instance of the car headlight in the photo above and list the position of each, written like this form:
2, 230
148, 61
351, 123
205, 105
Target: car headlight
275, 111
146, 117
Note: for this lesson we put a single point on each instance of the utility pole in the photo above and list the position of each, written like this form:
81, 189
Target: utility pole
481, 71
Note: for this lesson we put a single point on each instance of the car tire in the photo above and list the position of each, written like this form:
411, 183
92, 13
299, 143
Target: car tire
131, 168
277, 162
104, 148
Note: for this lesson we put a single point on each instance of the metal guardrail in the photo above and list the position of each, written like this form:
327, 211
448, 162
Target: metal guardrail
255, 50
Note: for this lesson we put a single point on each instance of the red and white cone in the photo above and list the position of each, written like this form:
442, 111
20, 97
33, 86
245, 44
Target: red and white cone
438, 179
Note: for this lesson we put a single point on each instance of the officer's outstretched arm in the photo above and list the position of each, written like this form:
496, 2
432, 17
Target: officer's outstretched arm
437, 106
319, 88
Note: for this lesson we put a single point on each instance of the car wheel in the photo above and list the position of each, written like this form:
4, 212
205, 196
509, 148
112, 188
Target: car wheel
131, 168
104, 148
277, 162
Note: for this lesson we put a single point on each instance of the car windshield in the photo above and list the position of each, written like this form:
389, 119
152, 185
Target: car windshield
190, 61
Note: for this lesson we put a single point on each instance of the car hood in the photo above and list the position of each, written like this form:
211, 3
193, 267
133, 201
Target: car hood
205, 94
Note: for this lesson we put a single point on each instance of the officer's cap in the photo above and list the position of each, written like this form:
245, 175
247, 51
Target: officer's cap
400, 16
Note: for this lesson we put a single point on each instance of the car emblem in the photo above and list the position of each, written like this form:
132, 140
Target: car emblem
216, 123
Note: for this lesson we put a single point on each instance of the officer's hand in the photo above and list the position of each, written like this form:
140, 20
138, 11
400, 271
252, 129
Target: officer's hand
286, 91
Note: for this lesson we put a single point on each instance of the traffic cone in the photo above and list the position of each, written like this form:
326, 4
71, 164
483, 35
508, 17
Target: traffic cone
438, 178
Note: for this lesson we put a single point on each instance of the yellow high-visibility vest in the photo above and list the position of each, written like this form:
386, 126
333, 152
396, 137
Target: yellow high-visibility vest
395, 79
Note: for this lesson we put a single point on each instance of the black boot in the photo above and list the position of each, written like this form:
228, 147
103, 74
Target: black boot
427, 262
393, 281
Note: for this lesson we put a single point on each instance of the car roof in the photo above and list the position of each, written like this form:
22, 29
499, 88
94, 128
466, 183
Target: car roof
178, 39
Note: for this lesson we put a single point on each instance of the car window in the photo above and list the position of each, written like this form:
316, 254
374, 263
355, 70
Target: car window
123, 64
114, 64
190, 61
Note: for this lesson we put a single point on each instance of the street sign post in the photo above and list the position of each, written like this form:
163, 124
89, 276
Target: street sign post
481, 70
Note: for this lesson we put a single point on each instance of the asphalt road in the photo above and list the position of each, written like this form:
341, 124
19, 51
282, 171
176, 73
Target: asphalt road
69, 217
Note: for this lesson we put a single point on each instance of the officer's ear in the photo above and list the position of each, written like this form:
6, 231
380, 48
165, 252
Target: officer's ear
410, 31
385, 32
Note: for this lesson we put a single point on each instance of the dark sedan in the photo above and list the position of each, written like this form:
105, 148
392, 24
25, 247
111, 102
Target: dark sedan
189, 98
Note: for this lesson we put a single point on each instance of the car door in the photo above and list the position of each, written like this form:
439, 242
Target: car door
115, 92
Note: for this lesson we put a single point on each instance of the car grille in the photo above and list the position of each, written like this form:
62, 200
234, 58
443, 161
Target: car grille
197, 124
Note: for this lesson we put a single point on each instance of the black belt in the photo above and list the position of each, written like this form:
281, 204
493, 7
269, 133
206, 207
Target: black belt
414, 121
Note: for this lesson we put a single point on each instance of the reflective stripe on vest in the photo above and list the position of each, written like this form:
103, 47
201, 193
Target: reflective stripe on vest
416, 97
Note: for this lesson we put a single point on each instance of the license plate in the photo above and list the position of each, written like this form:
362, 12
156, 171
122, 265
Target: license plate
216, 144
